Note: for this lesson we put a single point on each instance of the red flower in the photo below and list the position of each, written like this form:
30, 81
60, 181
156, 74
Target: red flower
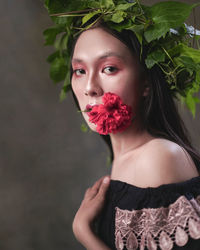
112, 116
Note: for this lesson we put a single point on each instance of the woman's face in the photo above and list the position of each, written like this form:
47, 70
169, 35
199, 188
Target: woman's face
101, 63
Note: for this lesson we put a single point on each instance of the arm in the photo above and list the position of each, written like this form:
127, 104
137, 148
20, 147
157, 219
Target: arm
90, 241
90, 208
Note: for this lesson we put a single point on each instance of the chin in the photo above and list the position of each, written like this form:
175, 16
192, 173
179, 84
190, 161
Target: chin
91, 125
93, 129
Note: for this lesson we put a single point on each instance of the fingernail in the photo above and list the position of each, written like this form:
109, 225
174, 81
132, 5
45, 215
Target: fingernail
106, 179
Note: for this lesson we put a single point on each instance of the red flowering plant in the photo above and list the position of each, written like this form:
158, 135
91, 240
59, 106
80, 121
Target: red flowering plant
112, 116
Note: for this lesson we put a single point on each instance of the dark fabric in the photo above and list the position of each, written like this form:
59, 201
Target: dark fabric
127, 196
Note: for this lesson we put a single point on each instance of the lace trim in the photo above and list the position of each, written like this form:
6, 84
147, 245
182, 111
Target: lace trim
153, 227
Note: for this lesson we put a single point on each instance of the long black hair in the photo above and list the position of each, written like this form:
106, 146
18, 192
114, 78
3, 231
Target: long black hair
159, 112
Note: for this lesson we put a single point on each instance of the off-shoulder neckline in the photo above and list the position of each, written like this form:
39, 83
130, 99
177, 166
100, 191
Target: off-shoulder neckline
119, 184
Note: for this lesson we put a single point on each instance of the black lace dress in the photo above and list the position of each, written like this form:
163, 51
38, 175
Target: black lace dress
165, 217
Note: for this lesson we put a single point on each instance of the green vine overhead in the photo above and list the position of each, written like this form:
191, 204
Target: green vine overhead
161, 27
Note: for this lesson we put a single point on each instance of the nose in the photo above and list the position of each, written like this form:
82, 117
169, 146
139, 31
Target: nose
93, 88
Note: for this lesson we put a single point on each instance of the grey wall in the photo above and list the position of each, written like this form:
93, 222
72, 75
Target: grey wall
46, 162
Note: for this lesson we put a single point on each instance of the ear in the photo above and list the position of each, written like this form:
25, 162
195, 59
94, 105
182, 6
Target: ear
146, 89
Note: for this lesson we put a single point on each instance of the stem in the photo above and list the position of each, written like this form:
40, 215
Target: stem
168, 56
73, 12
77, 28
66, 15
142, 12
81, 111
139, 5
141, 20
108, 12
179, 71
162, 69
198, 44
90, 25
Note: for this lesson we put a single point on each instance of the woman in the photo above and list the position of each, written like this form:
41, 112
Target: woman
154, 168
151, 200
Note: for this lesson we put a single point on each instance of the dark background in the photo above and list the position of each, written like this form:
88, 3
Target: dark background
46, 162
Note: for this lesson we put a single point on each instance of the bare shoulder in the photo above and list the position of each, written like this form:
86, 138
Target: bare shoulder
163, 162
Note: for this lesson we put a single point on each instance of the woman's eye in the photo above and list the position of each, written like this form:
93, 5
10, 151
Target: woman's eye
79, 72
110, 69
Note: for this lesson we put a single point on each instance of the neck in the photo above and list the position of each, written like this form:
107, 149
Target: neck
129, 140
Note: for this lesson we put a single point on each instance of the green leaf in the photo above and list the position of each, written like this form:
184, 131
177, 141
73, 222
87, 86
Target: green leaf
118, 16
191, 103
166, 15
138, 30
108, 160
66, 21
46, 3
58, 69
124, 6
50, 34
63, 93
186, 62
120, 26
183, 50
93, 4
154, 58
55, 6
60, 6
196, 86
89, 16
64, 41
84, 128
53, 56
149, 62
197, 79
61, 43
107, 3
66, 87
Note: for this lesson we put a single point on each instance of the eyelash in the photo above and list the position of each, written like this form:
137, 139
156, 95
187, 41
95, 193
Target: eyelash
112, 67
75, 70
115, 69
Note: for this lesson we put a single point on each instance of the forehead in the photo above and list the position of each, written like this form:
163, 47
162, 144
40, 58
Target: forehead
96, 42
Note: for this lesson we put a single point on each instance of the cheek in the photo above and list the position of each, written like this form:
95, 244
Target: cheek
78, 92
127, 86
76, 86
130, 93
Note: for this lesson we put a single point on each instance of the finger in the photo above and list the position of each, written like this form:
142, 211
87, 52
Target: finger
104, 186
92, 192
97, 184
87, 192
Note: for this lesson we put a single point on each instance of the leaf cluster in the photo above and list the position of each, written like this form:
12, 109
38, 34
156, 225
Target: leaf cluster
160, 27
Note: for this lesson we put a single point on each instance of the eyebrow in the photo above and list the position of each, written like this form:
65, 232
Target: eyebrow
107, 54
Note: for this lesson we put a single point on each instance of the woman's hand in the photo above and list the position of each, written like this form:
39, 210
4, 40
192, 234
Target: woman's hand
91, 206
